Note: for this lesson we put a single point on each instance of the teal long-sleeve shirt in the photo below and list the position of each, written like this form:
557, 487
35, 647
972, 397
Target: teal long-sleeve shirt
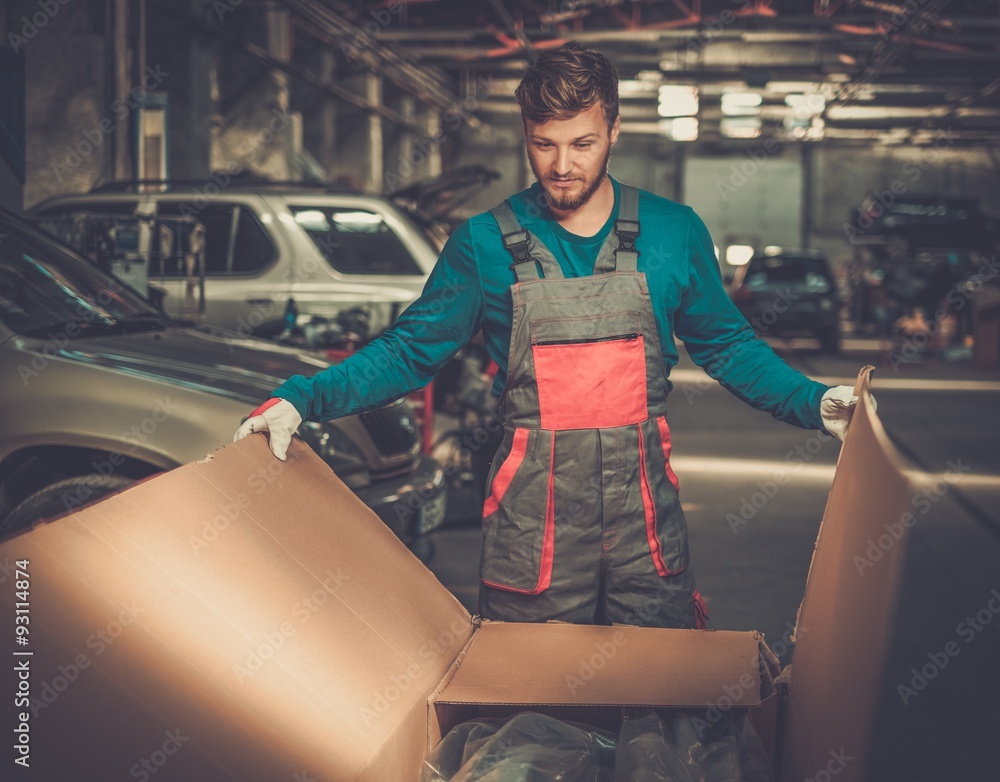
469, 289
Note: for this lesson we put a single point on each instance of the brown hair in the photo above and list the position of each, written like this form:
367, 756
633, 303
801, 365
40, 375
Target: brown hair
567, 80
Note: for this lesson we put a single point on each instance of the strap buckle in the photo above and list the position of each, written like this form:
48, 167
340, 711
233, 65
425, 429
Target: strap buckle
628, 231
519, 245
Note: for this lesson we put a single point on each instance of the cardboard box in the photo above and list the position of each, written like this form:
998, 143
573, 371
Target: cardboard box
241, 618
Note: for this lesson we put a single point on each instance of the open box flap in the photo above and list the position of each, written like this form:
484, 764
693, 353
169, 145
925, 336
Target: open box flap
515, 663
256, 606
845, 618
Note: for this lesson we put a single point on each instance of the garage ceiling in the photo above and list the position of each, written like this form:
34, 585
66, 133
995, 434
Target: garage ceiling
888, 71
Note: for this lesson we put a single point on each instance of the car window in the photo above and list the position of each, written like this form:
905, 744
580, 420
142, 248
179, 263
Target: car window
355, 241
80, 225
253, 249
44, 287
768, 273
235, 241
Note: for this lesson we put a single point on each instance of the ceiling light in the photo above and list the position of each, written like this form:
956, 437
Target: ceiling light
792, 86
740, 127
634, 87
809, 105
739, 254
680, 128
741, 103
677, 100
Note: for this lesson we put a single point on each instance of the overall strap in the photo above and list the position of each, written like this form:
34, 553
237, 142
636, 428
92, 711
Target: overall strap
525, 248
618, 252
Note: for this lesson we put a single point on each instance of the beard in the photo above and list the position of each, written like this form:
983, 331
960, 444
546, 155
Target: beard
577, 197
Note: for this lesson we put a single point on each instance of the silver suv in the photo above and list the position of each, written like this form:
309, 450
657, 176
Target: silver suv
263, 244
101, 389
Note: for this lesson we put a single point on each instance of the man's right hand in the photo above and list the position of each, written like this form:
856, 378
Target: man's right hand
276, 416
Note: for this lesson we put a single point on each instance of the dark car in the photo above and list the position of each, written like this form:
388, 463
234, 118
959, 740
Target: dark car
787, 293
100, 389
905, 223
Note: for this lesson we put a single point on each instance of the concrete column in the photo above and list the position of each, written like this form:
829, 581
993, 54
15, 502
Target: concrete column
408, 108
373, 93
808, 182
327, 119
360, 142
69, 117
400, 150
121, 84
191, 81
432, 121
276, 25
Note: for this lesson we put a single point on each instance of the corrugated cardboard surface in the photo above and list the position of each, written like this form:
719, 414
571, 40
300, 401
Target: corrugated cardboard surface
845, 616
555, 663
218, 612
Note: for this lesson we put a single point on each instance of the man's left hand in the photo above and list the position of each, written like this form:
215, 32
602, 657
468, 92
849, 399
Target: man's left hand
836, 407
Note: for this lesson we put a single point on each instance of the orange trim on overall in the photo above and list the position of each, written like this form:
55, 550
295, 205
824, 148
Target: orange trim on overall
650, 508
548, 538
501, 482
665, 442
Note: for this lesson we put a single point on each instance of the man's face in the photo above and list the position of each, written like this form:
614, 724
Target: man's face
569, 157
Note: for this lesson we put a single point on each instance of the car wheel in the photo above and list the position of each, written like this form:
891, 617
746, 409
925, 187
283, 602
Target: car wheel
61, 497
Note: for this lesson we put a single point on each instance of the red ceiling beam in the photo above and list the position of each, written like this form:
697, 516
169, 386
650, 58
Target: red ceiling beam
885, 31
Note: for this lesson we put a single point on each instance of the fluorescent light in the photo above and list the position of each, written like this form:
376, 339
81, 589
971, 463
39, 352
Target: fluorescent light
741, 103
740, 127
739, 254
683, 129
677, 100
634, 87
806, 105
792, 86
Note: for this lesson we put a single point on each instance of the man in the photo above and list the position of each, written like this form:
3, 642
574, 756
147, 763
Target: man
578, 285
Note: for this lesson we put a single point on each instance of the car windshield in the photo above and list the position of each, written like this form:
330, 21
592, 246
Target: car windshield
46, 289
767, 273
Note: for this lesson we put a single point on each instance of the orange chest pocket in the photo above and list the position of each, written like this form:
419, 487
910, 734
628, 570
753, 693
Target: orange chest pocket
590, 372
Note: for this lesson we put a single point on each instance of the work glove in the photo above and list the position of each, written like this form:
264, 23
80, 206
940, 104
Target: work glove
277, 416
835, 409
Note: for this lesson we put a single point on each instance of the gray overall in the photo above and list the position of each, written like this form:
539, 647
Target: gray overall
582, 521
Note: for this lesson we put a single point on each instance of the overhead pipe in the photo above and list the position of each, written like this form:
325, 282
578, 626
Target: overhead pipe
887, 32
516, 29
261, 56
807, 23
826, 8
374, 55
506, 51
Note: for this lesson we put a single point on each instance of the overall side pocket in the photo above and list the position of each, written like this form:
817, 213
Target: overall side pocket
519, 517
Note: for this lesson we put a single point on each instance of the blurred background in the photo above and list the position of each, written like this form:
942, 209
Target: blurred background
289, 169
